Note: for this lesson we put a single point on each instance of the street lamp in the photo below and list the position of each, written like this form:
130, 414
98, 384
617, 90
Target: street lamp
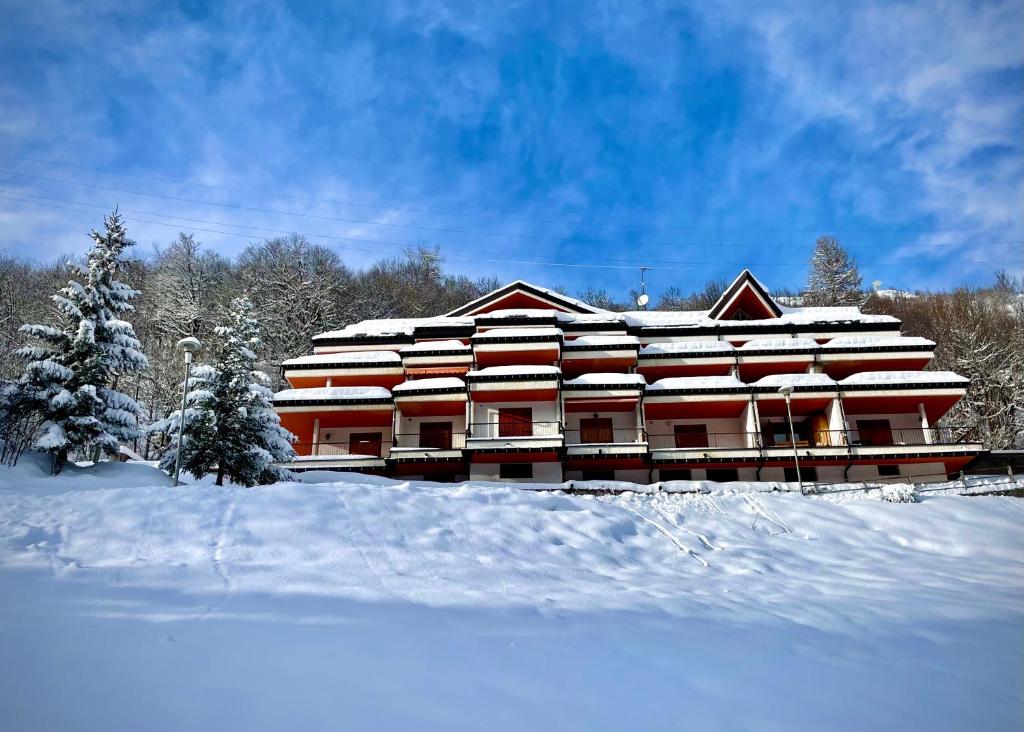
189, 346
786, 392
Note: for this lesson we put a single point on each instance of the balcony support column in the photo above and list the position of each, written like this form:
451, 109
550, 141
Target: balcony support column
926, 431
316, 436
836, 423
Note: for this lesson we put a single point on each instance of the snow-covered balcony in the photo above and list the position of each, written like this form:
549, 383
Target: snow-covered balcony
686, 358
522, 383
503, 424
696, 397
927, 393
430, 419
766, 356
339, 427
510, 346
599, 354
843, 357
437, 358
353, 368
603, 416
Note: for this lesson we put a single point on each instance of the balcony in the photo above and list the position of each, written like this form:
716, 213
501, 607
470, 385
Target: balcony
606, 441
357, 455
514, 436
435, 445
697, 445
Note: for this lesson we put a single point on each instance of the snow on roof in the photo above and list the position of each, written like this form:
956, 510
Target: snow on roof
442, 382
647, 318
587, 379
333, 392
687, 347
790, 316
435, 346
903, 377
517, 333
515, 370
697, 382
604, 340
878, 342
390, 326
776, 380
774, 344
368, 357
811, 315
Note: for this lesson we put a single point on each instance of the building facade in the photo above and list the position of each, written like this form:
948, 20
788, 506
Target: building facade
527, 384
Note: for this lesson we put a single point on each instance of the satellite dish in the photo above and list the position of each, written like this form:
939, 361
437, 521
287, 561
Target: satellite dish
643, 300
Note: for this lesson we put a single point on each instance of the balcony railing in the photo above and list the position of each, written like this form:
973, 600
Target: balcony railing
709, 440
599, 436
436, 441
353, 449
499, 430
814, 439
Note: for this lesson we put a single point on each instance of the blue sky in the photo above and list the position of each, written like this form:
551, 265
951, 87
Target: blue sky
694, 138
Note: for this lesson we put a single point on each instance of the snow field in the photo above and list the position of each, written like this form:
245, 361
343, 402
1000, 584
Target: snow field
369, 603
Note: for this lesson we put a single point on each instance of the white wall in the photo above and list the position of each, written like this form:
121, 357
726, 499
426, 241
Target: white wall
411, 425
343, 435
542, 473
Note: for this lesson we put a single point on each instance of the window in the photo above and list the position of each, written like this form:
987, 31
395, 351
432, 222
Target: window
809, 474
680, 474
511, 471
598, 475
723, 475
597, 429
776, 434
889, 471
691, 435
874, 432
437, 435
515, 422
365, 443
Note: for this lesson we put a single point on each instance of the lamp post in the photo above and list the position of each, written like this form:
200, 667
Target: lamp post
189, 346
786, 391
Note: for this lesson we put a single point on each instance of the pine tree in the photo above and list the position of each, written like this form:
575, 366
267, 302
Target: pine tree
834, 278
69, 382
230, 424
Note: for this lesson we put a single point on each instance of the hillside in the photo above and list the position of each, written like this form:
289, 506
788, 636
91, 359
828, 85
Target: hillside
374, 604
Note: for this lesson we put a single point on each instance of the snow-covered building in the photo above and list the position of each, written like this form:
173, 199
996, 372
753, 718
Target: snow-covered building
528, 384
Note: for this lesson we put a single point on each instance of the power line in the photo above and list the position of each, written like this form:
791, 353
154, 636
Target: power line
660, 265
466, 214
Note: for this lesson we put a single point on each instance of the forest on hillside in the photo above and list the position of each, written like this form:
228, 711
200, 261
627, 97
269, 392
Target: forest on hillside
299, 289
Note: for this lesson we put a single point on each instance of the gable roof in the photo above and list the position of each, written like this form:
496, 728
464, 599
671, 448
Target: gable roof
524, 290
748, 290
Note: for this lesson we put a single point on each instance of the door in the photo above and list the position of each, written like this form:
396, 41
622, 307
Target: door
437, 435
691, 435
874, 432
596, 429
515, 422
365, 443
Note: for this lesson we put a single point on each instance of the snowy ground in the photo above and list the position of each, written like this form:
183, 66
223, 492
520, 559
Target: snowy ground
372, 604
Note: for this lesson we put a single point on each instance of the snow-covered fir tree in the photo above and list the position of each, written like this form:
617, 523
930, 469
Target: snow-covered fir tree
69, 382
229, 424
834, 278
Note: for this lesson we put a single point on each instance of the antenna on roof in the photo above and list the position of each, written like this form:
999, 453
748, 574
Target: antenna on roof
643, 299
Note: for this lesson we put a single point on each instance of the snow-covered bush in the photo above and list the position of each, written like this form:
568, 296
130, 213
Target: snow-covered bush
899, 493
230, 425
67, 389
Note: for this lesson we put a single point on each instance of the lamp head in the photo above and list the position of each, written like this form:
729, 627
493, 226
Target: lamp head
189, 346
786, 390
